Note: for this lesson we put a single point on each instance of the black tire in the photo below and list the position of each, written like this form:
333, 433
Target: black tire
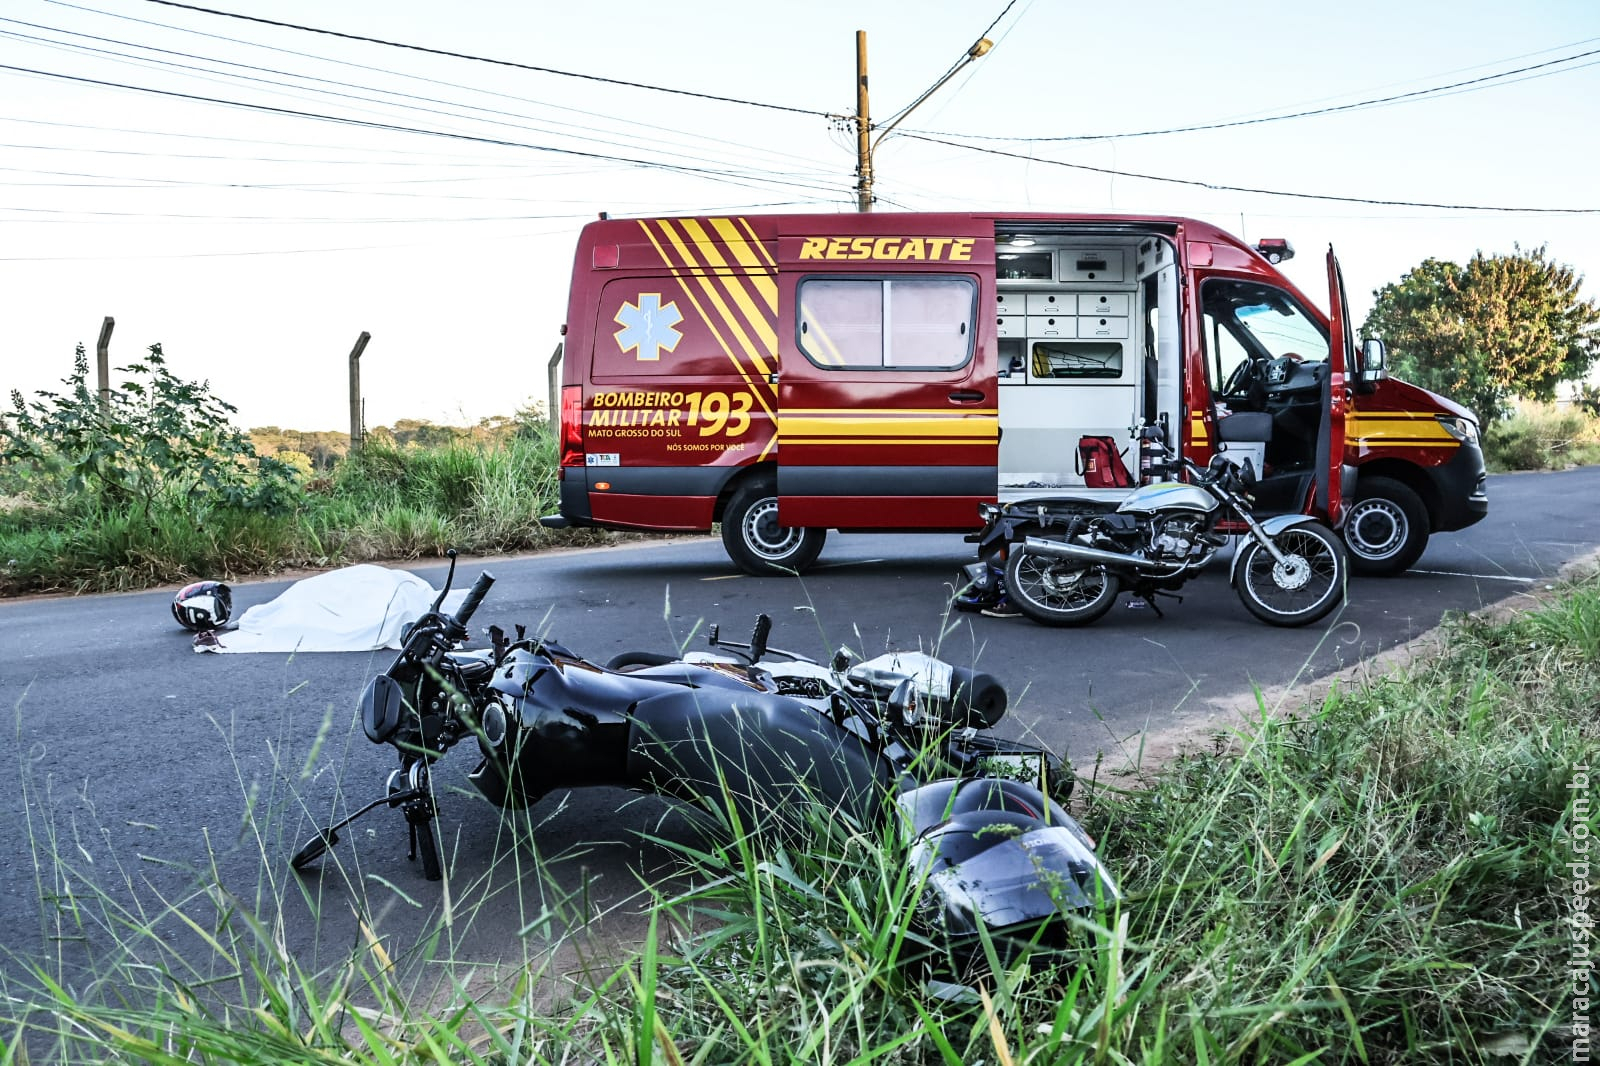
1313, 585
629, 659
1058, 592
1386, 528
757, 544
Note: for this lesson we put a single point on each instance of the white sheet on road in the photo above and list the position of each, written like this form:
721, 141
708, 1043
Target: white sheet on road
358, 608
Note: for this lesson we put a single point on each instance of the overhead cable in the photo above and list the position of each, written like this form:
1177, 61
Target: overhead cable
1218, 187
1414, 94
732, 177
487, 59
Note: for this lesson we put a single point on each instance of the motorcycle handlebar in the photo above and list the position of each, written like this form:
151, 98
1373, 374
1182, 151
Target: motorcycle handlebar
475, 595
758, 637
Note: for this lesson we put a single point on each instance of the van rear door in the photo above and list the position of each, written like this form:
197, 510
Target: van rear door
1341, 355
888, 413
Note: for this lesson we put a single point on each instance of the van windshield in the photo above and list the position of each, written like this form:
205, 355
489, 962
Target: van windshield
1277, 324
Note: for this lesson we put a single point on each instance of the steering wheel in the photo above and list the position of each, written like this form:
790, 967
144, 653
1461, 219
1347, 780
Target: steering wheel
1235, 385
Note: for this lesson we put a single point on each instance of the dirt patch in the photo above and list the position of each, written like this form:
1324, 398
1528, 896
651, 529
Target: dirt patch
1224, 719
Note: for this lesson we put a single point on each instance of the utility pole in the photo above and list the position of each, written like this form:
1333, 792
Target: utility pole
863, 128
355, 389
102, 359
865, 145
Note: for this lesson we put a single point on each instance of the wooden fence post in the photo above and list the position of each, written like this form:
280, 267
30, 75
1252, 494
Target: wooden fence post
356, 421
102, 359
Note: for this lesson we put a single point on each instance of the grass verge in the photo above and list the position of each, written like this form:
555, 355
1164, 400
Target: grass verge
385, 502
1383, 877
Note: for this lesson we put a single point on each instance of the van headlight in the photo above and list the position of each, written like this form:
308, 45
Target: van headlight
1462, 429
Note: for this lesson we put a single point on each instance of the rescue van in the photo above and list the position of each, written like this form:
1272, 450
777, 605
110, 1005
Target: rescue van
785, 375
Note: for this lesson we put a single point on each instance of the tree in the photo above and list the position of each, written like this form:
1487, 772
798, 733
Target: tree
1499, 327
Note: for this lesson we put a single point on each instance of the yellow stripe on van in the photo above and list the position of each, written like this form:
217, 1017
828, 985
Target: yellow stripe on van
755, 242
836, 429
762, 276
1397, 429
890, 412
735, 282
758, 387
714, 294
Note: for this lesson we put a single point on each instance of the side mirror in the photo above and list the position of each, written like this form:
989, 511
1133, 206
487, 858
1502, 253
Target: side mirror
1374, 361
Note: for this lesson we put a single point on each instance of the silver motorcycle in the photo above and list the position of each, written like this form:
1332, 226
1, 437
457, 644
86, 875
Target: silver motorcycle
1067, 560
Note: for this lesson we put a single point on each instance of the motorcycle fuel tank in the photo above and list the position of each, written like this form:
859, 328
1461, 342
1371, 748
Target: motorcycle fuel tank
1167, 496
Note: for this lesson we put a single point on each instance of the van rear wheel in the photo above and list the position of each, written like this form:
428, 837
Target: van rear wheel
755, 541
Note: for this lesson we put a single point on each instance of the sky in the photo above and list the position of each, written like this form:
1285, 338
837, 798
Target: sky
254, 196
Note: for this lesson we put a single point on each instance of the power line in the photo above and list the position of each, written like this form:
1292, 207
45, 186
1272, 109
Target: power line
1359, 105
965, 56
715, 174
486, 59
259, 158
283, 219
542, 125
1217, 187
230, 140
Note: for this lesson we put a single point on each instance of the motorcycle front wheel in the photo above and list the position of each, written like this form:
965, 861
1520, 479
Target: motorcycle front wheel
1302, 589
1058, 592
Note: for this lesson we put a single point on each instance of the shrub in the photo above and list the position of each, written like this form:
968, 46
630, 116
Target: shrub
155, 434
1543, 437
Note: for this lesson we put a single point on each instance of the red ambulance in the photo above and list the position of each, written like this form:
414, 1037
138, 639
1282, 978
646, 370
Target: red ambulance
785, 375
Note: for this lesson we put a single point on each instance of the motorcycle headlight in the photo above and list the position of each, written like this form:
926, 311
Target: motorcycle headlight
1462, 429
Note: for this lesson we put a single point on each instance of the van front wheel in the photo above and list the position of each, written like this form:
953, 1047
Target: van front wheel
1386, 529
755, 541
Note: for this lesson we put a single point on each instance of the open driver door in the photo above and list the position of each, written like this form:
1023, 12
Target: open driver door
1328, 495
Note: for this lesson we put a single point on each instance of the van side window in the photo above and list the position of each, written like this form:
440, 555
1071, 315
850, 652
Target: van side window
918, 323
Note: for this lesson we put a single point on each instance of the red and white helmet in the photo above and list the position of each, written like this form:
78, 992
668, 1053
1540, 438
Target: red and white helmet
203, 605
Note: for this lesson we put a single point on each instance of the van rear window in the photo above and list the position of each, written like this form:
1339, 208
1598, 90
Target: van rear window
918, 323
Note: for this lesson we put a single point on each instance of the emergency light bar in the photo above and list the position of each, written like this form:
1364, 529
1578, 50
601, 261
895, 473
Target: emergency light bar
1275, 249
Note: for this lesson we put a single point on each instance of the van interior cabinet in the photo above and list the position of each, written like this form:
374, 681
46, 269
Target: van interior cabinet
1081, 350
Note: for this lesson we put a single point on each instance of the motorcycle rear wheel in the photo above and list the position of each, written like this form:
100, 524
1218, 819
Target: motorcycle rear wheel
1058, 592
1304, 591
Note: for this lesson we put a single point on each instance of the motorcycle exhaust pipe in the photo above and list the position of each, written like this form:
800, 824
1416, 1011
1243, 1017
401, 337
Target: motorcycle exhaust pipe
1063, 550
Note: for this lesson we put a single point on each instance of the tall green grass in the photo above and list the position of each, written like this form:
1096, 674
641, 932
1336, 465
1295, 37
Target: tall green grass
1377, 878
383, 502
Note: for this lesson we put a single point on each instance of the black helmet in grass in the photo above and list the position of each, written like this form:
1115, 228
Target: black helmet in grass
203, 605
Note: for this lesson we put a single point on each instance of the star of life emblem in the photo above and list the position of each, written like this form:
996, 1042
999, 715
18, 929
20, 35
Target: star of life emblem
648, 327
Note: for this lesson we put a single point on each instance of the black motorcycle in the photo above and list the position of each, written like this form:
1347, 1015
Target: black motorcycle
903, 737
1065, 560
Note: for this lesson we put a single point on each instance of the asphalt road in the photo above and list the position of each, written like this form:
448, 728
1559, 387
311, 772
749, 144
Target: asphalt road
138, 772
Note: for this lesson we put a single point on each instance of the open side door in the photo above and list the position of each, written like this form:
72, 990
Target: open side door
1329, 493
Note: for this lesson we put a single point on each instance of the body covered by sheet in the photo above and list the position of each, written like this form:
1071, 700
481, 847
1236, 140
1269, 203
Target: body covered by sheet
357, 608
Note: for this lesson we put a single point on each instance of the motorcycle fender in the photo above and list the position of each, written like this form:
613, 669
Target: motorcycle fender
1271, 527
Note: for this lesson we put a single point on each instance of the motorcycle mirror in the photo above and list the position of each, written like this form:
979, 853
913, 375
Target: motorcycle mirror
841, 660
712, 633
449, 579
